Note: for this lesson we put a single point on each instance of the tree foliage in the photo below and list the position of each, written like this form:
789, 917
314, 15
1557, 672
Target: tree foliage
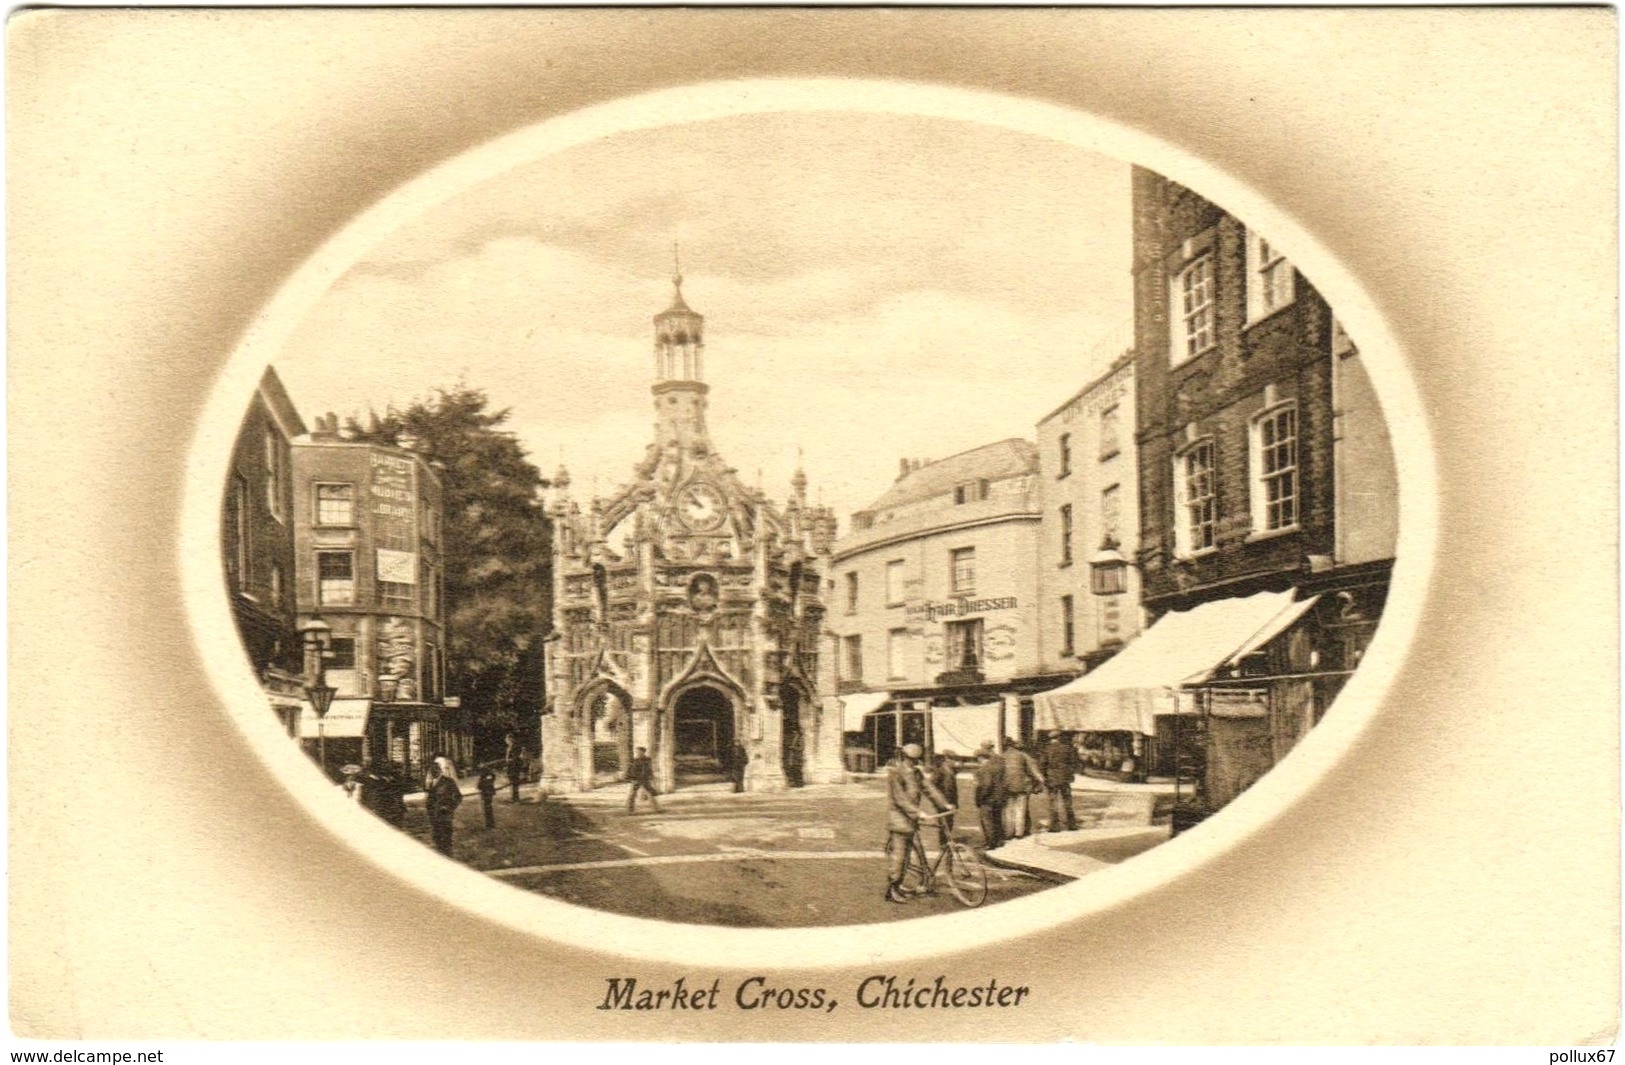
495, 545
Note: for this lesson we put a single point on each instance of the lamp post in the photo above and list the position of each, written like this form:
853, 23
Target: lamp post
317, 636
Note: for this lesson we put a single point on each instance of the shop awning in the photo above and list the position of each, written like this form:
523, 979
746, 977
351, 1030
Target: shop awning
1277, 625
346, 719
962, 729
1129, 690
859, 705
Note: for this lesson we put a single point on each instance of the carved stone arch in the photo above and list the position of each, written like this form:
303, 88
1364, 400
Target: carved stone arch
604, 760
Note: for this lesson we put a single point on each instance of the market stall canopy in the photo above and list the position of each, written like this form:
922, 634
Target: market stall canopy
962, 729
859, 705
1142, 680
346, 719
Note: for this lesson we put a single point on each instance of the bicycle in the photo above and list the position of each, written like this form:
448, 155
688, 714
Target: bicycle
964, 872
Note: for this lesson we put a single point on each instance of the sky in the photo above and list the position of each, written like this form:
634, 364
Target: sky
874, 288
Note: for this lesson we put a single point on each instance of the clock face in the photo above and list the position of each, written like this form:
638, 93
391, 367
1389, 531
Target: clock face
701, 507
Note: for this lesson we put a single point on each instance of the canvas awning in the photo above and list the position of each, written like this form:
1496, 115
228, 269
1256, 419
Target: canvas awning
962, 729
859, 705
346, 719
1277, 625
1129, 690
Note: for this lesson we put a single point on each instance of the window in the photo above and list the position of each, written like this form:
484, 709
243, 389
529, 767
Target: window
276, 472
431, 589
276, 585
964, 644
1275, 465
1269, 278
852, 658
897, 654
1109, 444
335, 578
895, 590
335, 504
851, 593
1194, 504
1192, 300
1066, 535
431, 659
962, 563
971, 491
398, 595
1064, 447
341, 653
1069, 630
237, 534
1111, 513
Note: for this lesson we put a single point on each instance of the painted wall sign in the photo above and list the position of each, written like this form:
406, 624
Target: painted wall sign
958, 608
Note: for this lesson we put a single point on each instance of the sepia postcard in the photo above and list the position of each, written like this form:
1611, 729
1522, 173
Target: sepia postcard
814, 525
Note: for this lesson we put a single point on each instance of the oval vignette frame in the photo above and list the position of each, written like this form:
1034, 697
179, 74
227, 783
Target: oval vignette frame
214, 632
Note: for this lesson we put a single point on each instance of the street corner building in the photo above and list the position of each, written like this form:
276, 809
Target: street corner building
687, 610
368, 526
935, 616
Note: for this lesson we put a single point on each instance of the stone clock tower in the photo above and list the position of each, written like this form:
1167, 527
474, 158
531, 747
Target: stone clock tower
688, 610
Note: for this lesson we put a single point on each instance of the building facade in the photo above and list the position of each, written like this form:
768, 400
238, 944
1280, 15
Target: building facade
1089, 495
257, 545
1265, 466
687, 610
935, 604
369, 522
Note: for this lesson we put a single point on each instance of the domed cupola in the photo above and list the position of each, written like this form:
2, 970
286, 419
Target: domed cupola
679, 336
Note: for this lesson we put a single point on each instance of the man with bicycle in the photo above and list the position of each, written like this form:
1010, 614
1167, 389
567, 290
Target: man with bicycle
910, 796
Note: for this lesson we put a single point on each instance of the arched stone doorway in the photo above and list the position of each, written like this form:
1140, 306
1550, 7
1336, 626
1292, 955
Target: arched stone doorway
793, 741
608, 719
702, 734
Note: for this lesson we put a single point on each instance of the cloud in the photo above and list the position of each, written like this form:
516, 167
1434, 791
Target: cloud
873, 286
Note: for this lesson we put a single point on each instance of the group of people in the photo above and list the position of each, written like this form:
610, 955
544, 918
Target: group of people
1007, 780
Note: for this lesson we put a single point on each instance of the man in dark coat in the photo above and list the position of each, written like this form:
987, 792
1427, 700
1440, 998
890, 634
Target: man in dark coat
946, 778
488, 796
990, 796
1059, 764
443, 798
738, 760
642, 775
909, 795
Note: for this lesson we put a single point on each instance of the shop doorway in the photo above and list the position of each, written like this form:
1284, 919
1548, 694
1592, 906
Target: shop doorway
702, 735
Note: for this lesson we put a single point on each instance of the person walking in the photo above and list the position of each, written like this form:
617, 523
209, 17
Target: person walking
488, 796
945, 777
990, 796
516, 773
1059, 765
1021, 779
909, 795
642, 775
738, 760
442, 801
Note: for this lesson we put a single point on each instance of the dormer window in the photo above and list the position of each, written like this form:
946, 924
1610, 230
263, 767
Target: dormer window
971, 491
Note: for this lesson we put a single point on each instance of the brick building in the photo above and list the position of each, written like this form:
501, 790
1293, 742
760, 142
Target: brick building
1265, 470
368, 524
257, 544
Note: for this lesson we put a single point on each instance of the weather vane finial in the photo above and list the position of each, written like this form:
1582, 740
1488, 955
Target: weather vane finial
676, 268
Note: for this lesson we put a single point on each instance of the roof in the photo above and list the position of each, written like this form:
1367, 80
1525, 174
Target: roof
1007, 458
281, 406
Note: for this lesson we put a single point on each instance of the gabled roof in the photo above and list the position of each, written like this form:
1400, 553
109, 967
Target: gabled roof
994, 462
281, 406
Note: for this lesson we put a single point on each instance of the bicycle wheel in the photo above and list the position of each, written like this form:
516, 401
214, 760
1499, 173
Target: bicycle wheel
967, 876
